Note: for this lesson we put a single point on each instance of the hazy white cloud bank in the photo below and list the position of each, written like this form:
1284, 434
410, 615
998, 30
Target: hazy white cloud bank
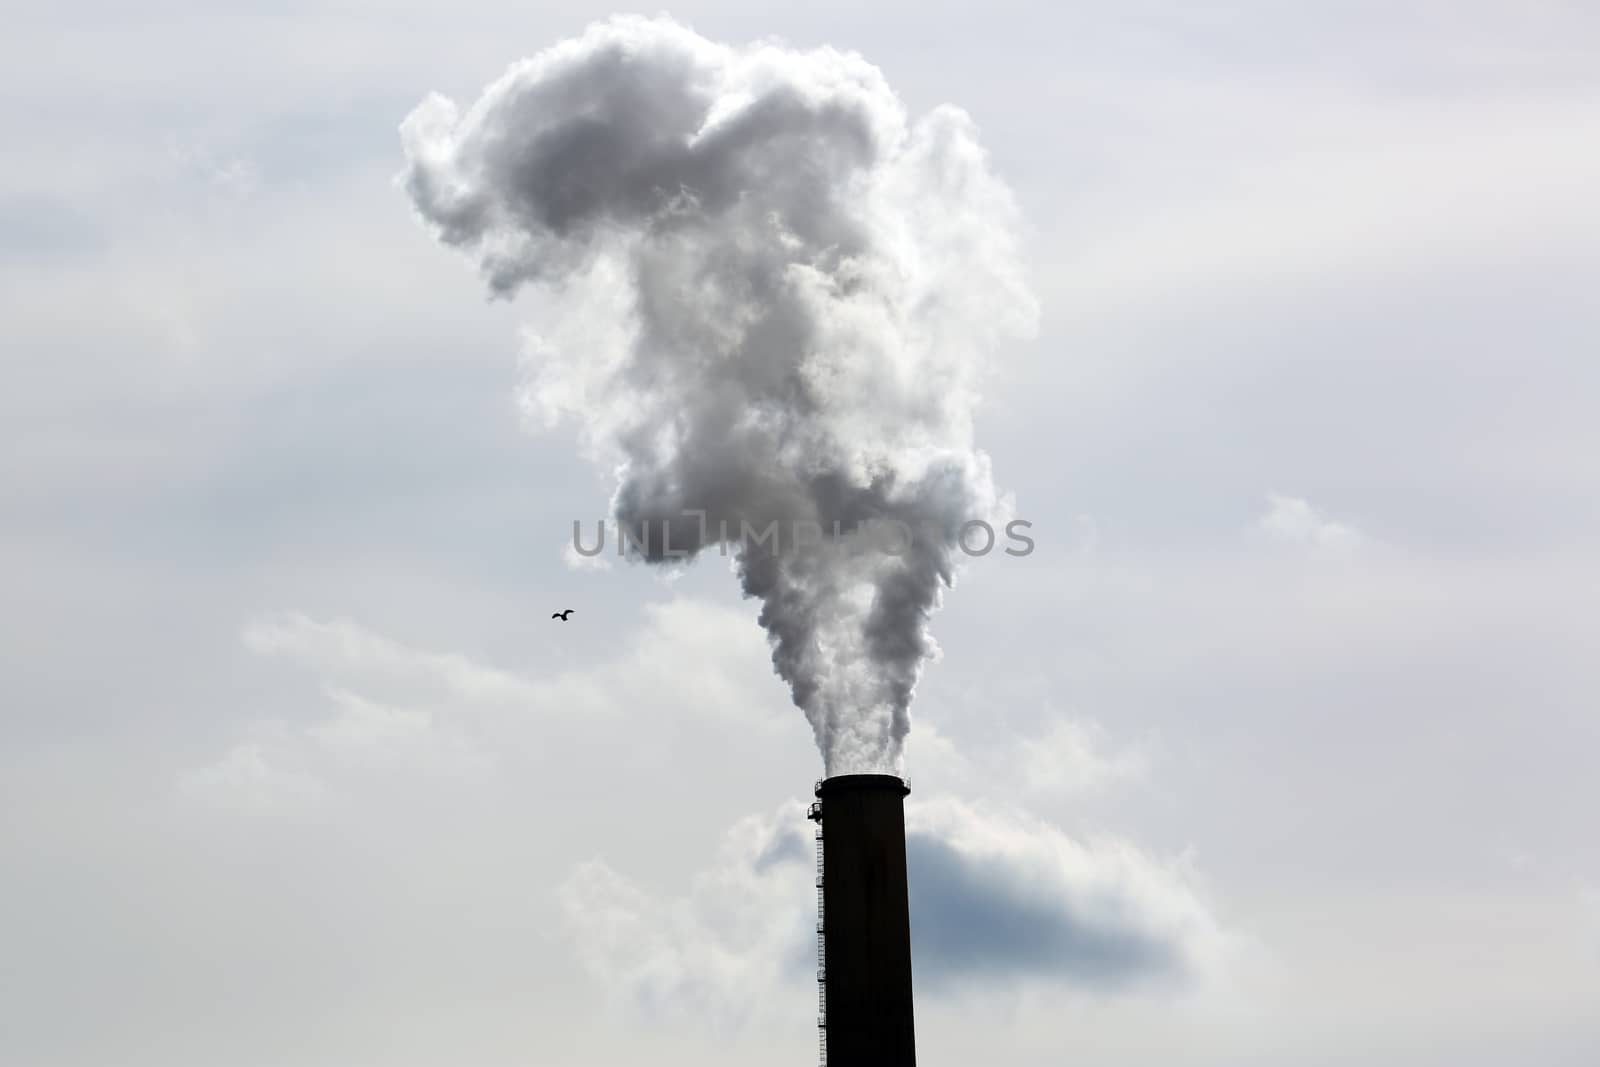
998, 895
1063, 756
386, 705
1332, 180
998, 898
1291, 522
727, 949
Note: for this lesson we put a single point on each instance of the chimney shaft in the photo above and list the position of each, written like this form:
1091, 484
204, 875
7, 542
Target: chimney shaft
864, 922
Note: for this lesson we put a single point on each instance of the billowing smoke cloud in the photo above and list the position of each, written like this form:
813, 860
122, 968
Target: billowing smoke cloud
767, 296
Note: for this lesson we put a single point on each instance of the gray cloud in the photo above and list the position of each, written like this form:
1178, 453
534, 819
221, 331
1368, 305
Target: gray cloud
973, 920
1001, 895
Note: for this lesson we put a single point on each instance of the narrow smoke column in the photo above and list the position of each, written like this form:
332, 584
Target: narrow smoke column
863, 922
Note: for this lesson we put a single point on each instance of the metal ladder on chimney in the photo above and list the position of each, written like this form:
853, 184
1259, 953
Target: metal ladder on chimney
822, 952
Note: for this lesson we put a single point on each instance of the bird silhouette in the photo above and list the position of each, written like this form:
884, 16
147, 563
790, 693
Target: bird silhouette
562, 615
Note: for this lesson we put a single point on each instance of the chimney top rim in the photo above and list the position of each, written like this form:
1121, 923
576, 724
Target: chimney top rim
840, 783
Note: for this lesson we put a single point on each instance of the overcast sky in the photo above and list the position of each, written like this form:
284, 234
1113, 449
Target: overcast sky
1280, 748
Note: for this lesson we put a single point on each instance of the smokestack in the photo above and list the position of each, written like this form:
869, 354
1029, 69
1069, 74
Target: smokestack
863, 922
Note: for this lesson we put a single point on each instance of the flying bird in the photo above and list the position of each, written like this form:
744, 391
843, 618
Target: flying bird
562, 615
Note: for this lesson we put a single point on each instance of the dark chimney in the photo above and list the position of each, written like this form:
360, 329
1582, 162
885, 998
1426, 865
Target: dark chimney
863, 922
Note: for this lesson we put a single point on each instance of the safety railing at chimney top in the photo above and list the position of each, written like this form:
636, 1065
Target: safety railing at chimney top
816, 787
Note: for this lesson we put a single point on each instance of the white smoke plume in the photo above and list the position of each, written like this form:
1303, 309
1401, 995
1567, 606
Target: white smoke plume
768, 297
